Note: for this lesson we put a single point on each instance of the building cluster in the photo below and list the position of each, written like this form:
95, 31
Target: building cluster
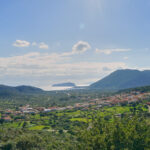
98, 103
122, 98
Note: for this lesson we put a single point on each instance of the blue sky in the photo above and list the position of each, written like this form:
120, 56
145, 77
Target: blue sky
43, 42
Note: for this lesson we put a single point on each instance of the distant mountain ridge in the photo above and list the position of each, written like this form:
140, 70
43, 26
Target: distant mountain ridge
6, 91
123, 79
28, 89
67, 84
118, 80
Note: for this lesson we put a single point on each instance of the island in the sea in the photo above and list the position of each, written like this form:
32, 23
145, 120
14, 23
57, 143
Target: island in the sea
67, 84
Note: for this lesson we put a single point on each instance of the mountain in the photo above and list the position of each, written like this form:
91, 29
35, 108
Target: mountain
67, 84
7, 91
28, 89
123, 79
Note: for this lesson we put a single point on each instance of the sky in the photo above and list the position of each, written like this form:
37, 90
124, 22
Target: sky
43, 42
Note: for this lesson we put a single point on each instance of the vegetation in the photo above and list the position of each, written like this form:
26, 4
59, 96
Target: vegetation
118, 126
111, 128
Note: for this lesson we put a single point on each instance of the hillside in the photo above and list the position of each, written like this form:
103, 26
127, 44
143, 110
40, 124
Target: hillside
28, 89
123, 79
7, 91
142, 89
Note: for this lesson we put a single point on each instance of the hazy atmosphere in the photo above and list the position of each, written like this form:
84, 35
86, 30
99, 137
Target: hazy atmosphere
44, 42
75, 75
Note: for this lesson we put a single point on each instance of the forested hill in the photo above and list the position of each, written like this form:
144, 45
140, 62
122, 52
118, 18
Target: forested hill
138, 89
28, 89
6, 91
123, 79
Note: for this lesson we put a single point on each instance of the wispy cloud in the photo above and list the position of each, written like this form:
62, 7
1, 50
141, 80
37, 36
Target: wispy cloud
78, 48
48, 68
81, 47
21, 43
125, 58
42, 45
110, 51
52, 67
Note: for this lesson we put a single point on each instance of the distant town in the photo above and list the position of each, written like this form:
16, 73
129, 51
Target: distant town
97, 103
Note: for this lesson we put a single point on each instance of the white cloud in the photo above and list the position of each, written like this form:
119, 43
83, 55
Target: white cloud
21, 43
125, 58
80, 47
42, 45
110, 51
43, 69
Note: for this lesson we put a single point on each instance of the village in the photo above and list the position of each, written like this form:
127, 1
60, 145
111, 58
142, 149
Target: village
95, 103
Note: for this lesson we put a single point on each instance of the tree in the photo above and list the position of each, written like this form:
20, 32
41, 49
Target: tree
129, 132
